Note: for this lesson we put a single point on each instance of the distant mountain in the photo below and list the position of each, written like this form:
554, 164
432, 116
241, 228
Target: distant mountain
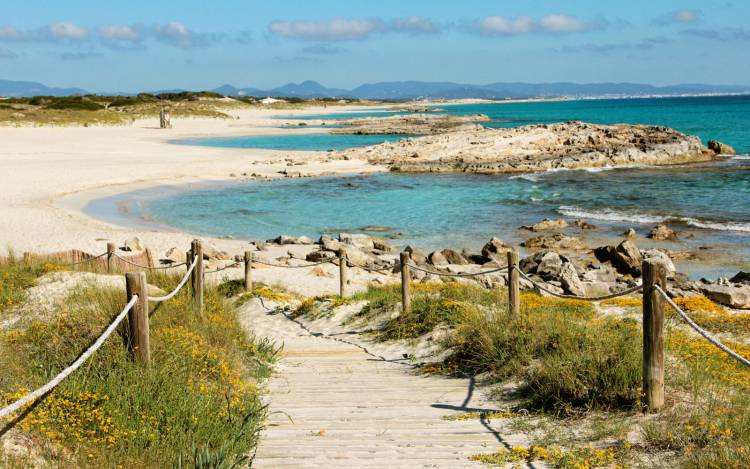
19, 89
407, 90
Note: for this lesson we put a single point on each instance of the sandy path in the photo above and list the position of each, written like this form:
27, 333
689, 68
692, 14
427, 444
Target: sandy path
335, 406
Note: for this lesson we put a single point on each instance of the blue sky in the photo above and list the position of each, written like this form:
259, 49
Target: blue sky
146, 45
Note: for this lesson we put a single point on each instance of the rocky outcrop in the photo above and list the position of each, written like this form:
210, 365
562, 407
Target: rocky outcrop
547, 224
411, 124
720, 148
555, 241
735, 296
496, 250
625, 257
537, 148
663, 233
741, 277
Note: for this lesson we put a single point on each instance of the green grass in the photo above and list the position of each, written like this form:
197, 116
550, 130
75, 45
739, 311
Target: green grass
197, 405
15, 277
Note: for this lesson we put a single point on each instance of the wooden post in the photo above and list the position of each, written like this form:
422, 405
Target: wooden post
654, 273
405, 283
196, 250
342, 272
514, 285
135, 284
26, 258
110, 257
165, 121
248, 271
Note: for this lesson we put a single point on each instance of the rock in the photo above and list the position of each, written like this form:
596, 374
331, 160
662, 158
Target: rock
357, 257
496, 250
437, 258
260, 245
381, 245
454, 257
304, 240
361, 241
417, 255
570, 281
319, 256
555, 241
660, 256
741, 277
133, 244
596, 288
212, 252
376, 228
329, 244
547, 224
584, 225
283, 239
625, 257
174, 256
729, 295
630, 233
549, 266
663, 233
720, 148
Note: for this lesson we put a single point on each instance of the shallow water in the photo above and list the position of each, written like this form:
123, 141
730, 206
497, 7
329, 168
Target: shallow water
707, 204
301, 142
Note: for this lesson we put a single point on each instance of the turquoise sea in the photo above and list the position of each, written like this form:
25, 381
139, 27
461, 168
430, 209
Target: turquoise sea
709, 205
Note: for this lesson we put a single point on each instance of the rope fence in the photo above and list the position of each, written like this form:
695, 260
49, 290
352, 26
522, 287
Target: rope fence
52, 384
702, 331
652, 289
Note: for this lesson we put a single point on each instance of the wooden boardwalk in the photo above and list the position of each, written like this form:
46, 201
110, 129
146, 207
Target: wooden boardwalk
335, 406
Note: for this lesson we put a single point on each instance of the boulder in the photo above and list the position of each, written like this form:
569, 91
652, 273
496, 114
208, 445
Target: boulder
133, 244
630, 233
549, 266
570, 281
381, 245
660, 256
357, 257
259, 245
584, 225
319, 256
596, 288
329, 244
305, 240
454, 257
729, 295
555, 241
417, 255
437, 258
720, 148
741, 277
174, 256
212, 252
283, 239
625, 257
361, 241
663, 233
547, 224
496, 250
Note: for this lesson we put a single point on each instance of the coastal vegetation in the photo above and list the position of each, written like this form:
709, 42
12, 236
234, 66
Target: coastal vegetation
572, 372
122, 110
197, 405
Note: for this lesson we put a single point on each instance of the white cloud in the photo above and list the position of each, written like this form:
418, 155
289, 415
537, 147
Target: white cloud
684, 16
121, 33
562, 24
339, 29
550, 24
177, 34
68, 31
9, 33
415, 25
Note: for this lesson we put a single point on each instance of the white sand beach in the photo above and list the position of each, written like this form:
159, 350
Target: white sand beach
48, 174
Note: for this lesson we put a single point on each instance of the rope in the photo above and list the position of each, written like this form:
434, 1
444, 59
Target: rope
701, 331
467, 275
384, 270
574, 297
222, 268
179, 286
31, 397
171, 266
72, 264
292, 266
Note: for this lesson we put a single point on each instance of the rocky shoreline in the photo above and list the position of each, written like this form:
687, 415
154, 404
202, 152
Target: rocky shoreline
537, 148
412, 124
